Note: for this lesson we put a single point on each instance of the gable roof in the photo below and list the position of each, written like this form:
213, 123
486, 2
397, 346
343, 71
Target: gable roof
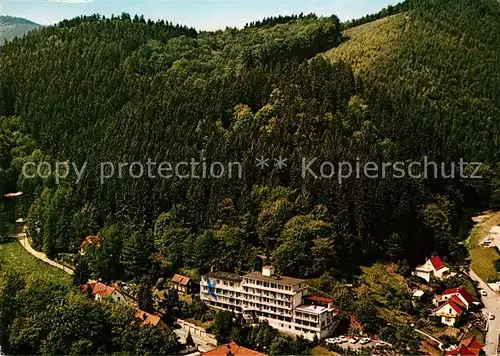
457, 301
232, 348
90, 240
453, 306
468, 347
462, 291
179, 278
472, 344
437, 263
99, 288
147, 319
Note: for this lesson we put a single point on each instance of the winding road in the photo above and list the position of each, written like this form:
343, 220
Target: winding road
24, 241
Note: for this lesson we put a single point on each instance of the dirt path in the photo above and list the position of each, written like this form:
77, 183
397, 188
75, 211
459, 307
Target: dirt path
440, 344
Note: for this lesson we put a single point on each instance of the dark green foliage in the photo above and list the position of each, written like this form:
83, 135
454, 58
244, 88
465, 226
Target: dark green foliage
388, 11
38, 317
171, 306
174, 94
222, 326
145, 296
82, 273
264, 338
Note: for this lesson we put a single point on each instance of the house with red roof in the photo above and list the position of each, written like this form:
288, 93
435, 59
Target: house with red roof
100, 290
233, 349
452, 303
89, 241
433, 266
460, 292
148, 319
184, 284
468, 347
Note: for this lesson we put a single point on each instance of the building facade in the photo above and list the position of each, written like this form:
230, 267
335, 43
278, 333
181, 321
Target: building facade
434, 266
183, 284
281, 301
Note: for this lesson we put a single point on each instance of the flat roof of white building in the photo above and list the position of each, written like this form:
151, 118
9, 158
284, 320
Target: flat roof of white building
290, 281
311, 309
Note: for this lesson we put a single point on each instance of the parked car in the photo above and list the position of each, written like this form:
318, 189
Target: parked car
483, 293
331, 340
342, 339
491, 316
354, 340
365, 340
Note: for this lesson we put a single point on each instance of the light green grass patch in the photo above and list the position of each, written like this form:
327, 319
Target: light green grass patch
483, 259
13, 256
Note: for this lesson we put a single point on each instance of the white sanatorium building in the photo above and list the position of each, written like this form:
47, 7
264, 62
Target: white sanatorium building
282, 301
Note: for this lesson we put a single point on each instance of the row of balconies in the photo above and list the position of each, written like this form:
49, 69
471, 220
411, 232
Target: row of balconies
267, 294
263, 300
247, 283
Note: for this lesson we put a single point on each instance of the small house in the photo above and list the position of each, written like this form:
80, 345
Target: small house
433, 266
452, 303
100, 290
183, 284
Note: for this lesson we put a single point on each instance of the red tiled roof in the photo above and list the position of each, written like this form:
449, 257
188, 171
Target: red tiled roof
183, 280
468, 347
233, 349
98, 288
90, 240
452, 304
437, 263
147, 319
457, 301
455, 307
316, 298
462, 291
472, 344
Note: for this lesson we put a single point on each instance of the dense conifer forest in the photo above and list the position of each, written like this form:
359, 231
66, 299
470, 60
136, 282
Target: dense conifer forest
126, 89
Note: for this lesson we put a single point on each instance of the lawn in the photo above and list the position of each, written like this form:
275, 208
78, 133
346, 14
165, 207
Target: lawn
381, 276
14, 256
320, 351
483, 259
201, 324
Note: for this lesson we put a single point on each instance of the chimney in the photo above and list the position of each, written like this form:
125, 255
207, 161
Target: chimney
268, 271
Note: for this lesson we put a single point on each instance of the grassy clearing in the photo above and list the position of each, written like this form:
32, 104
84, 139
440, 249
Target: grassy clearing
370, 43
483, 259
14, 256
201, 324
380, 277
320, 351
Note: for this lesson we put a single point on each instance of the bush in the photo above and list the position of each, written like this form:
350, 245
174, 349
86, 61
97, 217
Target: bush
497, 265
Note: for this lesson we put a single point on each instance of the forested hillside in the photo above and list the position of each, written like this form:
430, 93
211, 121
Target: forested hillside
12, 27
125, 89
